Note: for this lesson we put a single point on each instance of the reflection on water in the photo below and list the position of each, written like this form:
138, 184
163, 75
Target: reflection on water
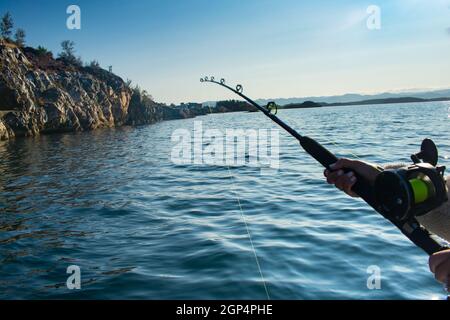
111, 202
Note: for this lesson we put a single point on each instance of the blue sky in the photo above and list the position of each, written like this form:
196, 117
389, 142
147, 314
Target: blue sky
275, 48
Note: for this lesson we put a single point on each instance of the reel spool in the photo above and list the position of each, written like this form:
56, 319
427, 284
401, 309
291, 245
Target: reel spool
414, 190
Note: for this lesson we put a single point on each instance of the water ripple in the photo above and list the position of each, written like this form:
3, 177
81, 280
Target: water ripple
140, 227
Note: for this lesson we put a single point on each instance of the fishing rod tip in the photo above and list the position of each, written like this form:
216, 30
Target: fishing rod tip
212, 79
206, 79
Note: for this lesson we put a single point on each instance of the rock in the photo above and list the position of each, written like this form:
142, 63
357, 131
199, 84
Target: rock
5, 133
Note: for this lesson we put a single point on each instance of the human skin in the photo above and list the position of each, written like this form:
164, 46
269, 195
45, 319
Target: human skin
440, 266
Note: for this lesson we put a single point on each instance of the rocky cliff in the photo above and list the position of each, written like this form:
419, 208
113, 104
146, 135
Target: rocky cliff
40, 94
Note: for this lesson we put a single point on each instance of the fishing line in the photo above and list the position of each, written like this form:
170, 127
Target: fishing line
233, 184
249, 235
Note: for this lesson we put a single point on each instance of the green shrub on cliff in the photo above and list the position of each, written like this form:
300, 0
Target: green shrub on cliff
142, 95
42, 51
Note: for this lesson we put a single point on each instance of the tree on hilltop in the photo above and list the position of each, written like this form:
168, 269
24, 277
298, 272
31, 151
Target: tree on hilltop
68, 53
20, 37
68, 50
6, 25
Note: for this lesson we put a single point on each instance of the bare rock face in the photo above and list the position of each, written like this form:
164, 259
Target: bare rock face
40, 94
58, 97
4, 132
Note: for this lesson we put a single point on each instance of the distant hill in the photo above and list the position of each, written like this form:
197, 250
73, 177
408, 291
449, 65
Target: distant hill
311, 104
384, 101
351, 98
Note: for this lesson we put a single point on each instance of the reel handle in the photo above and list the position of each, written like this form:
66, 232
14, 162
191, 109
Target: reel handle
362, 188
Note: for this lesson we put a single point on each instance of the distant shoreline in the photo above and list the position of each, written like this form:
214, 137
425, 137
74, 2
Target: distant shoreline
311, 104
385, 101
239, 105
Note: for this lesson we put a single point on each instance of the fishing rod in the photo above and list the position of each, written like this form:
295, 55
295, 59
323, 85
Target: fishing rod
399, 195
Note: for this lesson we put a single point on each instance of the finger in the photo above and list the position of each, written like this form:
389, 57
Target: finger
438, 258
341, 164
443, 271
344, 181
348, 187
364, 169
334, 176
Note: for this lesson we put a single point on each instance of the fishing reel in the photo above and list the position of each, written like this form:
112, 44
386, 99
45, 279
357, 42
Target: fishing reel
412, 191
